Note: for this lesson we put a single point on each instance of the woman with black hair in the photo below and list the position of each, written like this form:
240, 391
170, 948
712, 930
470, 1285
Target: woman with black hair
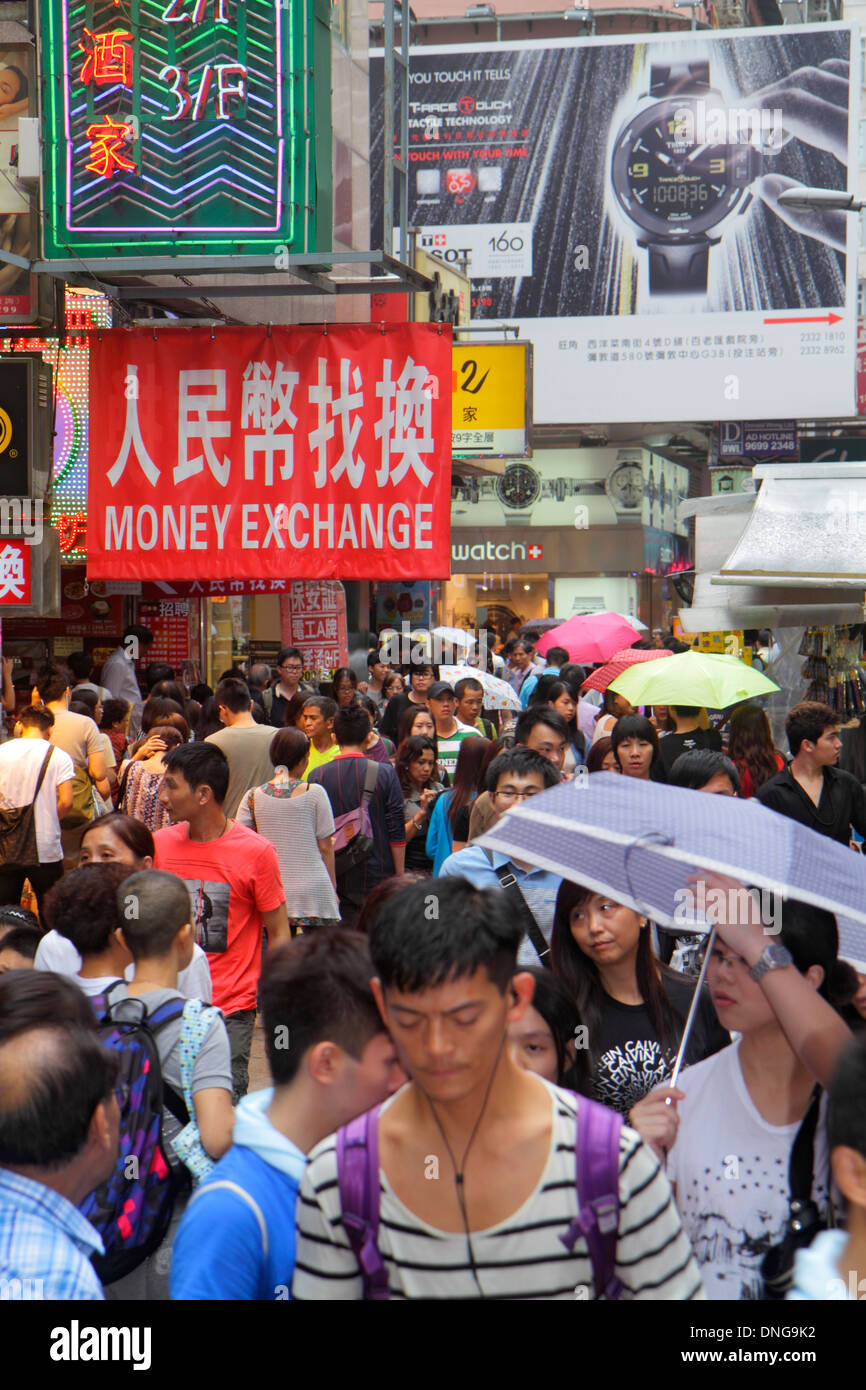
543, 1040
419, 777
448, 830
635, 745
633, 1007
614, 706
744, 1109
344, 686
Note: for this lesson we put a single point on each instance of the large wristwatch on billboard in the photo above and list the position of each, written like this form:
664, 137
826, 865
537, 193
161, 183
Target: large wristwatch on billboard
521, 486
673, 183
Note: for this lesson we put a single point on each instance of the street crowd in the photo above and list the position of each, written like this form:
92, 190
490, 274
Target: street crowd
475, 1082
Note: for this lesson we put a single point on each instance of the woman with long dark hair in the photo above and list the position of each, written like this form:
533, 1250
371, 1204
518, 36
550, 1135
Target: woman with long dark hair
633, 1008
635, 745
744, 1108
449, 820
751, 749
613, 708
544, 1040
416, 768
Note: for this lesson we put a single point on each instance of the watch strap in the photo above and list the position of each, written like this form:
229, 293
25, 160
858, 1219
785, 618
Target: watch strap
668, 79
765, 961
679, 269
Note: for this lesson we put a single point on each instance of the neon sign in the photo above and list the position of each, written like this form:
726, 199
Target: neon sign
186, 126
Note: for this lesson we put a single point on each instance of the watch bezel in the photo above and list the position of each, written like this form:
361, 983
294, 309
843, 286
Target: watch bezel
658, 227
500, 483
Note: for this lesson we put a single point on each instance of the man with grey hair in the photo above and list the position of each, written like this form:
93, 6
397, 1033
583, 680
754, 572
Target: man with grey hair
59, 1127
259, 682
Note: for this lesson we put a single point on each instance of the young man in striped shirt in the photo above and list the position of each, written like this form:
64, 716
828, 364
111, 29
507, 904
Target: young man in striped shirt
476, 1156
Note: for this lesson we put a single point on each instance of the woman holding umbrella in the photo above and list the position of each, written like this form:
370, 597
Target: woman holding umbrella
752, 1106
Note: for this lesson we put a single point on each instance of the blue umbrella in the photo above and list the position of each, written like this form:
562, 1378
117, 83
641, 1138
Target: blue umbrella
640, 841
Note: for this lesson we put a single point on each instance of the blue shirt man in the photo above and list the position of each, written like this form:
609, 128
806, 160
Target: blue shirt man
516, 775
45, 1244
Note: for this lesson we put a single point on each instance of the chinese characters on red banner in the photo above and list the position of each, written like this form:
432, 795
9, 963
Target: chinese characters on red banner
14, 571
300, 453
315, 623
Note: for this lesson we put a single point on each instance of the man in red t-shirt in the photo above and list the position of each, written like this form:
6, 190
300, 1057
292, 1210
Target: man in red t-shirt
233, 877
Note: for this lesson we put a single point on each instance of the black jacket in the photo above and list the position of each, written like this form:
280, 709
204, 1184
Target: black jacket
842, 803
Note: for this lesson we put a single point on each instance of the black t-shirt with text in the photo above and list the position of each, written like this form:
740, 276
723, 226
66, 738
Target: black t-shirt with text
672, 745
631, 1059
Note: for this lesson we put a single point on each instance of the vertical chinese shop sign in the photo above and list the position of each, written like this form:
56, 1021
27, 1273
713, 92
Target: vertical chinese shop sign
314, 620
185, 124
302, 453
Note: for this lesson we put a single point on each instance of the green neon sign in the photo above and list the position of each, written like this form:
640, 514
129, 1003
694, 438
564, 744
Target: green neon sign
180, 126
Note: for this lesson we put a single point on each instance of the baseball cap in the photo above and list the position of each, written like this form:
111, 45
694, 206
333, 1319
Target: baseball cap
440, 688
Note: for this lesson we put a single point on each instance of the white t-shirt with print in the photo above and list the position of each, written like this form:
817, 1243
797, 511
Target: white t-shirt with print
730, 1169
20, 762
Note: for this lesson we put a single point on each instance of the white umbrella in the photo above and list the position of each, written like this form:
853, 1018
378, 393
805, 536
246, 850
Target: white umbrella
498, 694
457, 636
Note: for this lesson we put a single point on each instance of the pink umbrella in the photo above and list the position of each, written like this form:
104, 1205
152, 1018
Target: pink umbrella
619, 662
589, 637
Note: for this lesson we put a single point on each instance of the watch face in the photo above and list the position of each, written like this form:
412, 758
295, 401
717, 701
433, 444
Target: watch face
519, 486
626, 484
670, 182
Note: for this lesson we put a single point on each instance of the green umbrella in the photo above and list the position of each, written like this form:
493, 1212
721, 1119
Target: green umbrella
692, 678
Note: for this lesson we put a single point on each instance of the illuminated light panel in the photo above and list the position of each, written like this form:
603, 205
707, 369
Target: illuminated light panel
71, 365
195, 83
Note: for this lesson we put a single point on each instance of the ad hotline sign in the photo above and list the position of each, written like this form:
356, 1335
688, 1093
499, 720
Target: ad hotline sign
620, 199
240, 453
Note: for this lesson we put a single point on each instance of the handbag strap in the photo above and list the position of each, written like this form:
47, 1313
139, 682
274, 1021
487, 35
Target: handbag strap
526, 917
42, 771
371, 777
802, 1161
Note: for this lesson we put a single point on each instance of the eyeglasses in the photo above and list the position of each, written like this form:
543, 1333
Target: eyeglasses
292, 667
511, 794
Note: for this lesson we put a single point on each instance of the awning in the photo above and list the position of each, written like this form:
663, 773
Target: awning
724, 599
807, 527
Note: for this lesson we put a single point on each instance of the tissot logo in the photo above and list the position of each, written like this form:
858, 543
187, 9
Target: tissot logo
491, 550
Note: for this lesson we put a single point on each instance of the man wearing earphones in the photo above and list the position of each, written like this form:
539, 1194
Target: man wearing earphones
476, 1157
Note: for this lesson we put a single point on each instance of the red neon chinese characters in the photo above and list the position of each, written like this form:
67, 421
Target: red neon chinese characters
107, 139
108, 58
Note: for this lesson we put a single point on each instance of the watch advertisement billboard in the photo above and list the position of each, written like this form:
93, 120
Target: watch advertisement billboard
619, 199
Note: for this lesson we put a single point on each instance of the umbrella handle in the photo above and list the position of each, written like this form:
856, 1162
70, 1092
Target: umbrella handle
693, 1008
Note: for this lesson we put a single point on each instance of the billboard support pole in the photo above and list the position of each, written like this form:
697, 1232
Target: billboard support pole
396, 94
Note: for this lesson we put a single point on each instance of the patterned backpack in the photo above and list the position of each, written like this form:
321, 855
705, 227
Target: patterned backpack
194, 1028
132, 1209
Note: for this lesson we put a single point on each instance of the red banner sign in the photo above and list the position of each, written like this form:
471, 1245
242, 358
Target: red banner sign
304, 453
314, 621
14, 571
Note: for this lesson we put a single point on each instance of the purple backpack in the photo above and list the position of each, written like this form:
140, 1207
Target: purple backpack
596, 1181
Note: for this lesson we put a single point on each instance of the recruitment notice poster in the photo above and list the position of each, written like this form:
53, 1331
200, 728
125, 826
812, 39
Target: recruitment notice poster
620, 200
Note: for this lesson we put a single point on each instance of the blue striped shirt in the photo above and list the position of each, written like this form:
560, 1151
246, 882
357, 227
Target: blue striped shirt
45, 1244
